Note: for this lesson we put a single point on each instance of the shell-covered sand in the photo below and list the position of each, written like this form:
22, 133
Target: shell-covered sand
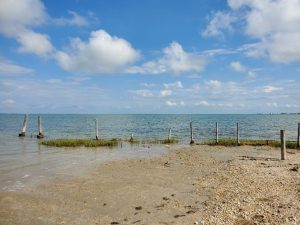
193, 185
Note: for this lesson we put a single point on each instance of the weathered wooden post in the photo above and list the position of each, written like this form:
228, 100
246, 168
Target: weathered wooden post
298, 137
169, 136
192, 138
217, 132
23, 132
237, 134
131, 138
97, 129
40, 134
283, 147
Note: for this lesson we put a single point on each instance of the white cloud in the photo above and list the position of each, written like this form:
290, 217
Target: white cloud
237, 66
102, 53
202, 103
174, 60
8, 67
175, 85
36, 43
8, 102
171, 103
165, 93
17, 18
208, 104
251, 74
276, 26
75, 20
272, 104
142, 93
270, 89
220, 22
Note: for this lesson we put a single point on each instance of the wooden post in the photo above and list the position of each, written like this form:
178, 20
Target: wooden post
169, 136
192, 138
217, 132
237, 134
298, 137
23, 132
131, 138
40, 134
283, 147
97, 129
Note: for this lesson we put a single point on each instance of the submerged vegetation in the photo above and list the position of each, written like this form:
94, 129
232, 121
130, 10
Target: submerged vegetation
233, 142
80, 142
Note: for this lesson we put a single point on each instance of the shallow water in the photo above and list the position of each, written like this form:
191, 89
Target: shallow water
24, 162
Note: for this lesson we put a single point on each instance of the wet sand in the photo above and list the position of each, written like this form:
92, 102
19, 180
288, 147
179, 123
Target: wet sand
193, 185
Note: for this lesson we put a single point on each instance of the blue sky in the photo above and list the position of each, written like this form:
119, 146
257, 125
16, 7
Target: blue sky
158, 56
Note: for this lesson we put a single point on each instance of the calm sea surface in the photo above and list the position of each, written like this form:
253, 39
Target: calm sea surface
24, 162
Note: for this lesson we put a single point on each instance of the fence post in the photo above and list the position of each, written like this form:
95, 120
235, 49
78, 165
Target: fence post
283, 147
97, 129
192, 138
237, 134
23, 132
217, 132
40, 134
169, 136
298, 137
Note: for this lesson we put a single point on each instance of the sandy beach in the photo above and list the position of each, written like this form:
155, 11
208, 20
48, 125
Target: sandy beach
193, 185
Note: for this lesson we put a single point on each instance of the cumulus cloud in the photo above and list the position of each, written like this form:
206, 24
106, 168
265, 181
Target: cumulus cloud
102, 53
75, 20
171, 103
142, 93
7, 67
165, 93
175, 85
174, 60
205, 103
276, 26
8, 102
219, 23
273, 25
17, 19
270, 89
237, 66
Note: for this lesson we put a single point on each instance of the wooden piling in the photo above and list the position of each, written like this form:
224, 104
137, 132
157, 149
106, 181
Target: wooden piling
217, 132
192, 138
283, 146
40, 134
298, 137
97, 129
169, 136
24, 127
237, 134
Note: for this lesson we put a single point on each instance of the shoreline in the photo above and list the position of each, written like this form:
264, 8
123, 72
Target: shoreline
193, 185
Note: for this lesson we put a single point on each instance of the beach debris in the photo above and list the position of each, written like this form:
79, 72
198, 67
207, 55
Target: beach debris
180, 215
166, 198
138, 208
167, 164
114, 223
295, 168
23, 132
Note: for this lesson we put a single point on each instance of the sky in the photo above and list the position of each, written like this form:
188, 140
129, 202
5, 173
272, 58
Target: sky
150, 56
